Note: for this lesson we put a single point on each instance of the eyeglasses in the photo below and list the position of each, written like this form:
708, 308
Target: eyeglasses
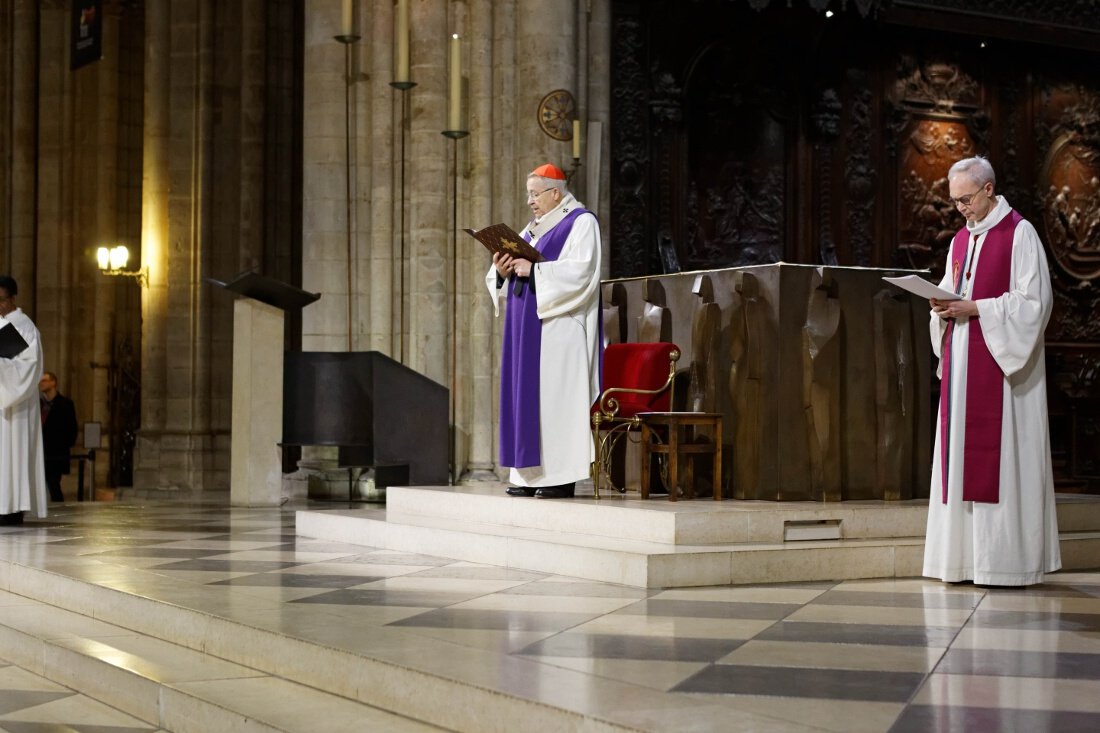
965, 200
531, 196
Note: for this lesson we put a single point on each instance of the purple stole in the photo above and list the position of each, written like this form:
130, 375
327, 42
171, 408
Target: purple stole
984, 379
521, 359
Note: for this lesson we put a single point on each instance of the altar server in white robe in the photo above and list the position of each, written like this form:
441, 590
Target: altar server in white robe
22, 466
991, 515
550, 362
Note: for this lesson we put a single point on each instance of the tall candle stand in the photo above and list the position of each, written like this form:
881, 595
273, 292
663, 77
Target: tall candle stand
403, 87
348, 39
571, 175
454, 136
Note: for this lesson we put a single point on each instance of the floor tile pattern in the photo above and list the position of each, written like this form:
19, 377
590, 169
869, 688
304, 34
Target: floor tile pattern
894, 655
33, 704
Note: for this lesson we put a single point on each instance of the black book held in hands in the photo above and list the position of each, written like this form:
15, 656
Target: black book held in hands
12, 342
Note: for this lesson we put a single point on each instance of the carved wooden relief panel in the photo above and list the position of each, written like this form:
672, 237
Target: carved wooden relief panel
753, 131
927, 220
822, 394
735, 165
937, 119
1070, 184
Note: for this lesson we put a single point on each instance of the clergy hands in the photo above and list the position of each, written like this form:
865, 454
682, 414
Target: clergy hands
507, 265
954, 308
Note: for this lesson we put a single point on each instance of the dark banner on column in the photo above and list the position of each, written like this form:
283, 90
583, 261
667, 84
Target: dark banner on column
87, 32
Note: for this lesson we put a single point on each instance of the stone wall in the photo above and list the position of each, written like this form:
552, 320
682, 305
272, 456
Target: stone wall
416, 287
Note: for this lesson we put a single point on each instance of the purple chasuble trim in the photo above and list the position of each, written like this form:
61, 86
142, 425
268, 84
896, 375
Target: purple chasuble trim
984, 378
521, 360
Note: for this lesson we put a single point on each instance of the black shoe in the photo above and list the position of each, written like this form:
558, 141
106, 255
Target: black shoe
11, 519
563, 491
520, 491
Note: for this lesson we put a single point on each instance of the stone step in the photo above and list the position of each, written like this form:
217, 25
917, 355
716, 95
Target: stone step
158, 658
583, 538
611, 560
170, 686
698, 522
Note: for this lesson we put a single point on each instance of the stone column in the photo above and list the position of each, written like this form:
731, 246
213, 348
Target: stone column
58, 175
350, 313
18, 234
78, 212
179, 446
429, 216
324, 241
545, 61
154, 240
599, 109
379, 163
489, 200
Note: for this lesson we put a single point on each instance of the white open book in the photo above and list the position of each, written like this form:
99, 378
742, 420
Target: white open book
919, 286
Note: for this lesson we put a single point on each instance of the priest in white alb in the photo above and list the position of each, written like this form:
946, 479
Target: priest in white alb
22, 465
991, 517
550, 363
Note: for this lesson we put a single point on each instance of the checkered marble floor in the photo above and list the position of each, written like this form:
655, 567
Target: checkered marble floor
881, 655
33, 704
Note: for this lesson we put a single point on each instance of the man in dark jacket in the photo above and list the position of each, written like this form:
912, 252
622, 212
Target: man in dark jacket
58, 433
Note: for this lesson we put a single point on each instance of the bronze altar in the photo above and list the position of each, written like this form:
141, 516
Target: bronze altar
822, 375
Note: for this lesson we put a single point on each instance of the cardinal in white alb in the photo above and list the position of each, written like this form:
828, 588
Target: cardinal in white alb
550, 364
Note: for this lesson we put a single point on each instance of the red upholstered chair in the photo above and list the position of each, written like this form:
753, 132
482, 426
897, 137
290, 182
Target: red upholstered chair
637, 378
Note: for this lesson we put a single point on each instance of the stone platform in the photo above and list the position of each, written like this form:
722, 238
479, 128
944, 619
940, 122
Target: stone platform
661, 544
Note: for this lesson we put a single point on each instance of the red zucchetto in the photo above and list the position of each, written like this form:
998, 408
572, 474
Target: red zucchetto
549, 170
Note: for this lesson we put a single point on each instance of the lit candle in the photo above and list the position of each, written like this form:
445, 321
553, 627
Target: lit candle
347, 18
402, 40
577, 139
456, 85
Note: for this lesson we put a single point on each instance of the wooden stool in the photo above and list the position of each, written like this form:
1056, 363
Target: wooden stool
674, 421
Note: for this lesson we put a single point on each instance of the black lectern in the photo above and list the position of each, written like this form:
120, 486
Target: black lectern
378, 411
283, 296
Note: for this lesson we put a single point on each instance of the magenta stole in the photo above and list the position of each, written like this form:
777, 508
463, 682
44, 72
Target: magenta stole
984, 379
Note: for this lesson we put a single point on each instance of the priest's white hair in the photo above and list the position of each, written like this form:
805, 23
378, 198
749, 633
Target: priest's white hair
977, 168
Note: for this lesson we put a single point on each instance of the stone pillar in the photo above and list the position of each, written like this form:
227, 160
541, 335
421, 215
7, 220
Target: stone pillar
325, 263
179, 446
154, 237
21, 62
78, 162
429, 217
57, 177
490, 172
598, 108
545, 61
380, 161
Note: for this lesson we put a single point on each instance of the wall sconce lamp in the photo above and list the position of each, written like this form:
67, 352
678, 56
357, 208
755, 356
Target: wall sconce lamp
112, 261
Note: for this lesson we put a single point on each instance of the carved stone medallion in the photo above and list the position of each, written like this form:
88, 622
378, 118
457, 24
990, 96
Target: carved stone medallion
556, 112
